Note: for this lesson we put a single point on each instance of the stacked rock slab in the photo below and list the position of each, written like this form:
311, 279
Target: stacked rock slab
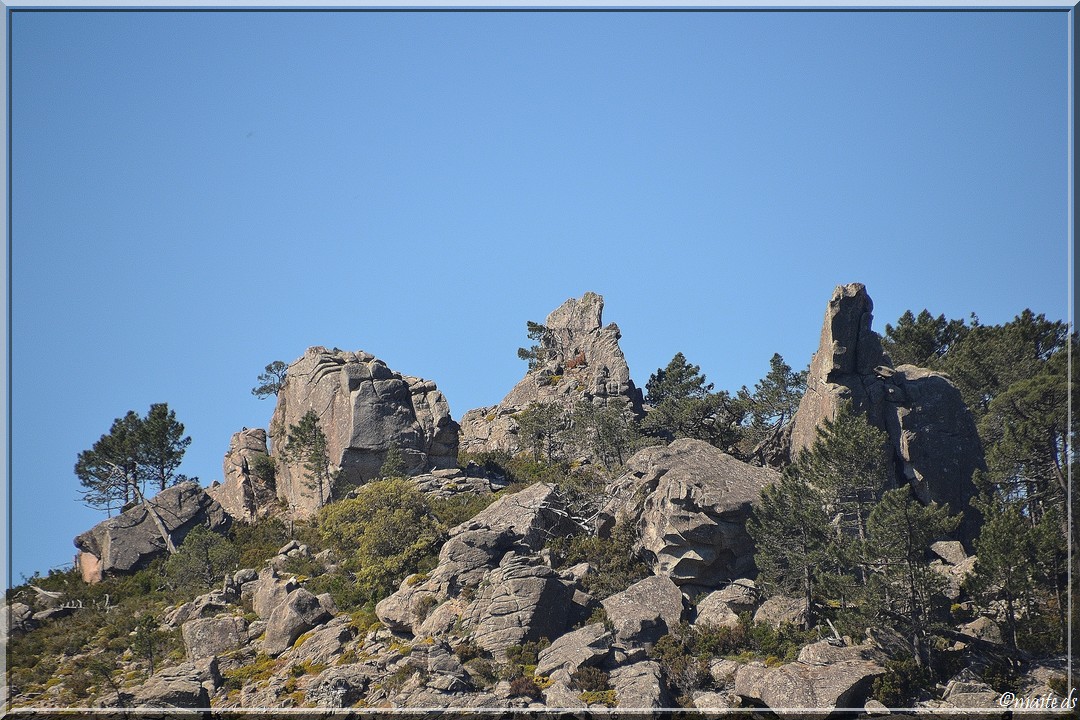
246, 494
935, 444
132, 538
364, 409
582, 361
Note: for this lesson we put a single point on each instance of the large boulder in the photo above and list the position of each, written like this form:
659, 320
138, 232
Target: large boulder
823, 679
181, 686
935, 445
248, 491
589, 645
207, 637
581, 360
130, 540
645, 611
690, 502
364, 409
523, 600
300, 612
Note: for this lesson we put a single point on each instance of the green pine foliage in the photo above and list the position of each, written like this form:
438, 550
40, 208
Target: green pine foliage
793, 539
201, 561
271, 380
307, 445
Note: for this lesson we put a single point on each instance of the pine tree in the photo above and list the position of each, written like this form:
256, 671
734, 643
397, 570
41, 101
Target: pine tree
774, 400
161, 446
307, 444
685, 406
271, 380
900, 531
849, 463
792, 539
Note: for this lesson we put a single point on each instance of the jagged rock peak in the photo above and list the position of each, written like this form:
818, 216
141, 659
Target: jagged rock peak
936, 446
848, 345
364, 409
580, 360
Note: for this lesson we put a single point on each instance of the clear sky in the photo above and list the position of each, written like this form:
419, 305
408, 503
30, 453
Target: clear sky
195, 194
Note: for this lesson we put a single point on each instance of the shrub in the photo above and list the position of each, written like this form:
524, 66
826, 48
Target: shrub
617, 566
466, 650
524, 686
599, 697
590, 679
201, 561
903, 678
386, 533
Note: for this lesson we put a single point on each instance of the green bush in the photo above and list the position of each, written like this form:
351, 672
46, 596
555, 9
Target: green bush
384, 534
453, 511
902, 680
201, 561
590, 679
613, 559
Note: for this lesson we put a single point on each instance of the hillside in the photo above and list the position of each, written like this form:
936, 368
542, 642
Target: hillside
883, 530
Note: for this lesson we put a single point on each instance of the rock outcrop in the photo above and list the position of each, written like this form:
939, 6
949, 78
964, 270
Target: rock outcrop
690, 502
248, 491
581, 360
131, 539
364, 409
489, 579
824, 676
932, 433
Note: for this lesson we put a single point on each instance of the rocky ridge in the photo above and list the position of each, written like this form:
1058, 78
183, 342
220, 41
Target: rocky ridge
445, 638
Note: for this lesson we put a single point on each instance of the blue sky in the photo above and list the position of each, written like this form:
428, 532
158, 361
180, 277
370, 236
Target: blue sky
196, 194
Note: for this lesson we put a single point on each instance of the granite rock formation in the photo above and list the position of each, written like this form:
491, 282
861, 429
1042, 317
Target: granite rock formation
248, 491
131, 539
935, 444
364, 409
581, 360
690, 502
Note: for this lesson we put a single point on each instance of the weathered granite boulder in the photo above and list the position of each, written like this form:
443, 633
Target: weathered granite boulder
935, 444
951, 551
523, 600
589, 645
206, 605
206, 637
645, 611
639, 687
175, 687
722, 607
364, 409
690, 502
823, 678
248, 492
779, 609
134, 537
581, 361
269, 591
323, 644
519, 522
300, 612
